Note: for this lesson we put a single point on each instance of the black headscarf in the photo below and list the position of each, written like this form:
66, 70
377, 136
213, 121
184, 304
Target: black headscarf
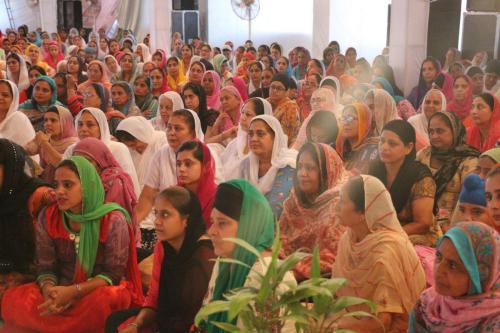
410, 172
453, 157
17, 247
171, 303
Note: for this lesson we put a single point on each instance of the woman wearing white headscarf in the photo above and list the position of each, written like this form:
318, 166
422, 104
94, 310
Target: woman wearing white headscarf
85, 127
383, 108
142, 140
21, 78
14, 125
237, 148
332, 83
144, 55
168, 102
270, 165
434, 101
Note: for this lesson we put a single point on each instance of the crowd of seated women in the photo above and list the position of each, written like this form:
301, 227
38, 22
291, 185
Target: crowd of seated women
124, 169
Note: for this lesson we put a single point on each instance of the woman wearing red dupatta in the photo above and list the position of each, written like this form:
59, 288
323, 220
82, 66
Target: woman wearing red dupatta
55, 55
118, 186
196, 172
85, 259
485, 114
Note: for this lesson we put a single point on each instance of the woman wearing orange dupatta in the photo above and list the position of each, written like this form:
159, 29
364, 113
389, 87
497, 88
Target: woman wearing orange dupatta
85, 259
485, 113
309, 213
96, 72
376, 257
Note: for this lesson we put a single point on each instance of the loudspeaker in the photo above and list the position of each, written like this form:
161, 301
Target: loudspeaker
481, 32
186, 22
483, 5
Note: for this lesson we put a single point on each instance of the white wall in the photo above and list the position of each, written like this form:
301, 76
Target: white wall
23, 14
287, 21
361, 24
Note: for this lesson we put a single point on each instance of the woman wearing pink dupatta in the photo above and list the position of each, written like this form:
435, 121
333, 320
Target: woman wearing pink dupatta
212, 87
461, 104
309, 217
117, 183
468, 254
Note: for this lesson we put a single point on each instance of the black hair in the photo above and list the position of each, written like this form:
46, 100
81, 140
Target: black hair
388, 74
8, 85
319, 157
258, 105
489, 99
103, 94
179, 197
334, 42
192, 145
405, 132
265, 47
70, 165
38, 69
198, 90
124, 136
188, 118
356, 192
326, 121
251, 49
351, 49
14, 55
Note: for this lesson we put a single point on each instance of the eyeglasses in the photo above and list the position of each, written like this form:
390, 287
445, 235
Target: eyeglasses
276, 88
318, 100
348, 119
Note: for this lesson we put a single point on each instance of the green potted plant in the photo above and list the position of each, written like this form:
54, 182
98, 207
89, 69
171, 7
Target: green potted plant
312, 306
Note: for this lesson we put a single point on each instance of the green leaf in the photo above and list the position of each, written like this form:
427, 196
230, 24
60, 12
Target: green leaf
344, 330
245, 245
358, 314
233, 261
315, 264
289, 263
347, 301
333, 284
238, 303
211, 308
227, 327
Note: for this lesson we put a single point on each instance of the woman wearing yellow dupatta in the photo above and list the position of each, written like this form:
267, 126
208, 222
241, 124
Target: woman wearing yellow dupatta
376, 257
35, 58
175, 75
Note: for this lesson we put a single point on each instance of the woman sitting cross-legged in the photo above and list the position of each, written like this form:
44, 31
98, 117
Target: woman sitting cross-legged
85, 259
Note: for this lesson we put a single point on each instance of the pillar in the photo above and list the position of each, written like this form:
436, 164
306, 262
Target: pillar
156, 19
48, 15
408, 40
321, 27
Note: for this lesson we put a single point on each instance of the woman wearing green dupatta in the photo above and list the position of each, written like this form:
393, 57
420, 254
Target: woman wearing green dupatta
240, 211
85, 259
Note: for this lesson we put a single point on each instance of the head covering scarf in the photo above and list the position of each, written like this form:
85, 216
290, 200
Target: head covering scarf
280, 158
177, 104
218, 60
174, 265
383, 266
39, 61
108, 70
48, 57
135, 71
147, 102
23, 82
388, 87
17, 244
420, 121
493, 153
206, 184
176, 83
364, 128
93, 209
331, 70
228, 123
131, 100
213, 100
9, 127
478, 246
140, 128
474, 133
146, 54
332, 81
410, 172
100, 117
384, 108
32, 104
256, 227
239, 84
452, 157
462, 108
104, 77
305, 224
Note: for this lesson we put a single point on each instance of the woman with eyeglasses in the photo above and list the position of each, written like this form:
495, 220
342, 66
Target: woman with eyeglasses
355, 143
